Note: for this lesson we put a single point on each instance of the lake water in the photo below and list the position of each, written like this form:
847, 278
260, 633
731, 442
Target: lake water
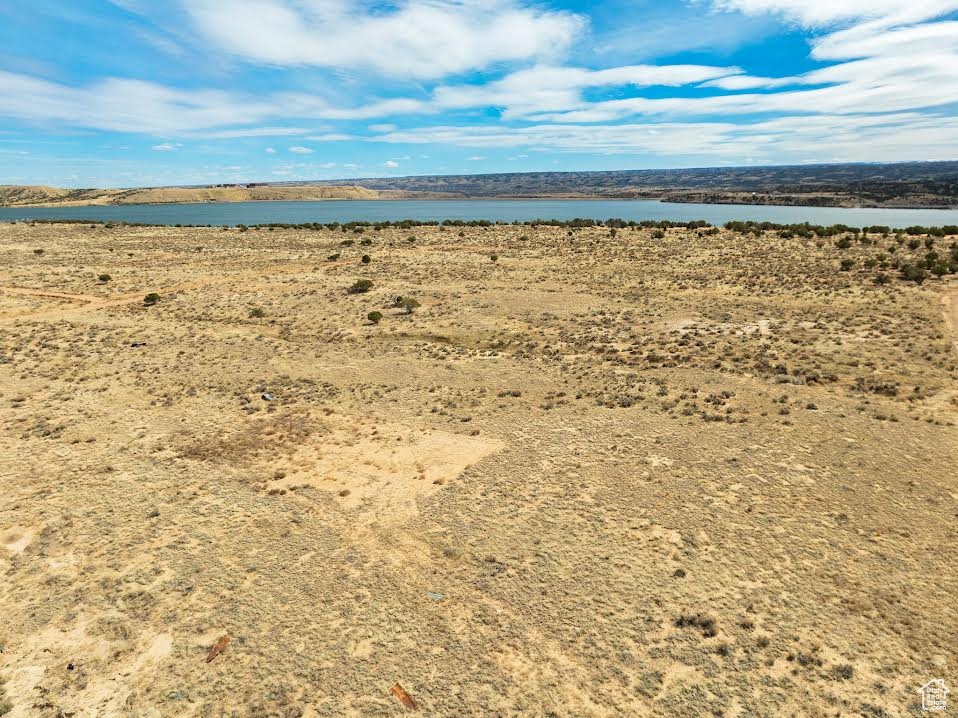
251, 213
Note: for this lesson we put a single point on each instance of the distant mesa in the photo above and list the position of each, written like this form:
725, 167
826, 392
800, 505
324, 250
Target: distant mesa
896, 185
40, 196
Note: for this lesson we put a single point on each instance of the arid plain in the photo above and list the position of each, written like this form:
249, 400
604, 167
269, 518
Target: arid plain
630, 475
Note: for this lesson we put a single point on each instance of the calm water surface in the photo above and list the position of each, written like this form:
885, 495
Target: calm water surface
493, 210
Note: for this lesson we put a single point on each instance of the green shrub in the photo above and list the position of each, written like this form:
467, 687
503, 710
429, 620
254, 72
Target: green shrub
847, 264
843, 243
409, 305
843, 672
658, 234
38, 252
375, 317
366, 259
257, 313
104, 278
913, 273
361, 286
151, 299
882, 278
333, 257
494, 257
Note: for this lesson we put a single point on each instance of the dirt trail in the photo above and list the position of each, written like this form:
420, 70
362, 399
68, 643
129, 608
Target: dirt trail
92, 303
24, 291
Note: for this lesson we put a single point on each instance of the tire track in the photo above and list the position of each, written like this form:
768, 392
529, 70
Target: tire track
92, 303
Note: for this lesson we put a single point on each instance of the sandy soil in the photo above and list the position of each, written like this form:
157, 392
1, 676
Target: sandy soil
949, 301
691, 476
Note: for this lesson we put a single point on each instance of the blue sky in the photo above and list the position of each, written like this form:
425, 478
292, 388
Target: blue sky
143, 92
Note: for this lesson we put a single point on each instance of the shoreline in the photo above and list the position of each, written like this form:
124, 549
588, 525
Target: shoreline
531, 198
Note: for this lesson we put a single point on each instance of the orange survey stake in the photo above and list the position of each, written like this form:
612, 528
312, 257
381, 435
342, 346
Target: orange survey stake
404, 698
218, 648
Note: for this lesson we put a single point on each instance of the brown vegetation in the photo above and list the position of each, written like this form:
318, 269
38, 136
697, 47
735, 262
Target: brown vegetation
697, 473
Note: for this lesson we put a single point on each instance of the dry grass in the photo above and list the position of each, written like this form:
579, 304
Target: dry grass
681, 476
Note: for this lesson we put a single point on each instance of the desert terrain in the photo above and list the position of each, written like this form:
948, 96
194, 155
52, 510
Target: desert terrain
894, 185
898, 184
584, 472
42, 196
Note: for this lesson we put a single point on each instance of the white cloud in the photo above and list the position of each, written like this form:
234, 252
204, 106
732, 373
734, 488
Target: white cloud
476, 158
330, 137
125, 105
749, 82
879, 63
255, 132
410, 39
813, 13
166, 147
299, 105
896, 62
390, 164
135, 106
543, 88
875, 40
859, 138
133, 6
270, 151
877, 67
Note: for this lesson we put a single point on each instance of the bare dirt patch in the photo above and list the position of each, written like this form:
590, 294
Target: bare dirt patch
389, 465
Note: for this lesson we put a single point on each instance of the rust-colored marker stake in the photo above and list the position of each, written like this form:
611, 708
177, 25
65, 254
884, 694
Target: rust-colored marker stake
218, 648
404, 698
